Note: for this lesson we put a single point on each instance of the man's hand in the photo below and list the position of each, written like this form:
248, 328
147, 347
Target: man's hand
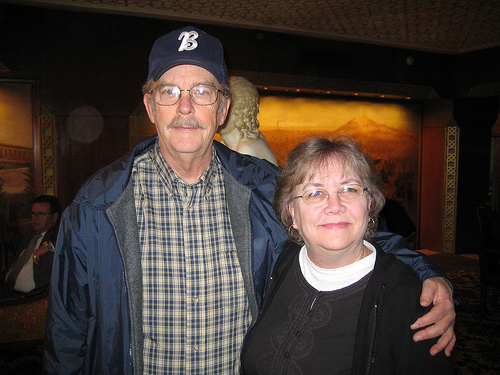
441, 318
41, 251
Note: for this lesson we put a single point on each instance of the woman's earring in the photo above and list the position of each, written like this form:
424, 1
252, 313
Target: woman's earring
372, 224
293, 233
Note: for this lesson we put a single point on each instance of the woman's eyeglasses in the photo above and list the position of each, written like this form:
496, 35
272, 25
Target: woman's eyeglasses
346, 193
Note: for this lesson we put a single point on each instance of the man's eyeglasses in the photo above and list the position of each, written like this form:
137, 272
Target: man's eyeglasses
346, 193
40, 214
200, 94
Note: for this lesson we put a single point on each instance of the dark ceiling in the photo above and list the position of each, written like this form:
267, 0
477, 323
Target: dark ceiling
443, 26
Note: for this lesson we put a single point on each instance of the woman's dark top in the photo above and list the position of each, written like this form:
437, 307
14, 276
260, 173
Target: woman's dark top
291, 337
360, 329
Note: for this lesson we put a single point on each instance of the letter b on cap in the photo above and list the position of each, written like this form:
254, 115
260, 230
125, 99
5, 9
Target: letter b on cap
189, 42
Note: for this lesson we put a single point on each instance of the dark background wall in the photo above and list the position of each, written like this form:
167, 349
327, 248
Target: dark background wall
475, 117
96, 63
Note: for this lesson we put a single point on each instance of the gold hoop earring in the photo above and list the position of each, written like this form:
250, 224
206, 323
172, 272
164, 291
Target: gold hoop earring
372, 224
293, 233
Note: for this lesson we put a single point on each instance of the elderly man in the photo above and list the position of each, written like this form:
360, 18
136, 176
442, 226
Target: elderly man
165, 254
30, 274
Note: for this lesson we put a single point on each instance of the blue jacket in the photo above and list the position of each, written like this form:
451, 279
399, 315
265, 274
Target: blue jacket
94, 316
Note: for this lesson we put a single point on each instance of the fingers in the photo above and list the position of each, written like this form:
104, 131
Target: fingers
41, 251
441, 315
426, 297
430, 289
446, 342
38, 254
450, 346
442, 327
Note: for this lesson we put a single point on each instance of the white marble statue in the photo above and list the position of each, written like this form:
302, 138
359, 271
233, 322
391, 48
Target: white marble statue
241, 132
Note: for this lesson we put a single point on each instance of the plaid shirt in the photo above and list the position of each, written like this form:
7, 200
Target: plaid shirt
195, 310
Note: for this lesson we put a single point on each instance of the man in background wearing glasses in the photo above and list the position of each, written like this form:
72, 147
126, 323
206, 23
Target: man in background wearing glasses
165, 254
30, 272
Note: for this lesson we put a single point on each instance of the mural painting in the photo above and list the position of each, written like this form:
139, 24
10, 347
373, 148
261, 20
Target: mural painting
17, 185
389, 132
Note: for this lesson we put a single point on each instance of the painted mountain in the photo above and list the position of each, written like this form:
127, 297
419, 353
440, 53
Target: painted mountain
380, 141
394, 151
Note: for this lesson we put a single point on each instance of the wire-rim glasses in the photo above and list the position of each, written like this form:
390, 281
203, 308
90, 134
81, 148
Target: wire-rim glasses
318, 197
40, 214
199, 94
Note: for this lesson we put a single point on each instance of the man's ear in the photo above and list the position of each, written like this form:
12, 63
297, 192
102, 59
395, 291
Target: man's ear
146, 99
224, 112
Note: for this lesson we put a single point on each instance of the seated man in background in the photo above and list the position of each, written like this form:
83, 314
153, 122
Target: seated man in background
30, 272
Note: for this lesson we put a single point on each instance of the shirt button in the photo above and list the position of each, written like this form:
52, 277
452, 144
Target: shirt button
195, 300
190, 208
195, 347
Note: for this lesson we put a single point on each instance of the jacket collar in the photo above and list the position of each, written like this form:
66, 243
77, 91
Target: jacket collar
106, 185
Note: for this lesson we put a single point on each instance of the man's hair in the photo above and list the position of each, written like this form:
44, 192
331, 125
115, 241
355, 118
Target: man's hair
310, 156
55, 206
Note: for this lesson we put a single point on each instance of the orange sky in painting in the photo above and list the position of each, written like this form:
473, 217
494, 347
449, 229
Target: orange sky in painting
15, 115
305, 113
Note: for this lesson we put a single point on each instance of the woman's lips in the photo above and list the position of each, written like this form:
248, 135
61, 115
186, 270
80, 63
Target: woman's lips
337, 225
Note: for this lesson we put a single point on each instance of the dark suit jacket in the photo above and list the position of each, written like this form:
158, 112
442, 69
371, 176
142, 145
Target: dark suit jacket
43, 270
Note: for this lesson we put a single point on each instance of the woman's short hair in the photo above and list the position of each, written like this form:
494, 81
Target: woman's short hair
311, 155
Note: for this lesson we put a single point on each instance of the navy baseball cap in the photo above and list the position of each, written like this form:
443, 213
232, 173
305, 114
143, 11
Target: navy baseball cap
191, 46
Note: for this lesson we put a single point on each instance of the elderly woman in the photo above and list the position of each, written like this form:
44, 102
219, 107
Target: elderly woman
338, 304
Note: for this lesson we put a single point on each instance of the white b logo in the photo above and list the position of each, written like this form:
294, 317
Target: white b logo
189, 42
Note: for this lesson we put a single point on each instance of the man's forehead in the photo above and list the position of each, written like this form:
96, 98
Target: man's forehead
41, 206
187, 72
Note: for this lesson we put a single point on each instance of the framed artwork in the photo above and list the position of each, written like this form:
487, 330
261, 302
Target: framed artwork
19, 161
389, 131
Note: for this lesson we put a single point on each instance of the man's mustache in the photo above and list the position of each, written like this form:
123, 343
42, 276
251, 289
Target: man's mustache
185, 123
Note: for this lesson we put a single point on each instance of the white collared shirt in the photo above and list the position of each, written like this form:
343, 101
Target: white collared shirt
25, 281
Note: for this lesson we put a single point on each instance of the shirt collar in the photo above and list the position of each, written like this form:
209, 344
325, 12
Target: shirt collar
170, 178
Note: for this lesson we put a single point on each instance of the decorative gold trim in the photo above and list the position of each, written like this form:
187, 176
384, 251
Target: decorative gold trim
450, 180
48, 151
16, 154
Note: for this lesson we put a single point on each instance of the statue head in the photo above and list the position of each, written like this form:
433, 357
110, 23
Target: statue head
244, 107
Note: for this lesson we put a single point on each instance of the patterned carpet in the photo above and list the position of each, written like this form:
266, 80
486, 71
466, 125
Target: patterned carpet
477, 351
478, 342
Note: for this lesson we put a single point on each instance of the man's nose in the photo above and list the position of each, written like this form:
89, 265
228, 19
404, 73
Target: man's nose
185, 104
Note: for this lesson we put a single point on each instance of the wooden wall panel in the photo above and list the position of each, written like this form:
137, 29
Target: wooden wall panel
432, 189
437, 114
